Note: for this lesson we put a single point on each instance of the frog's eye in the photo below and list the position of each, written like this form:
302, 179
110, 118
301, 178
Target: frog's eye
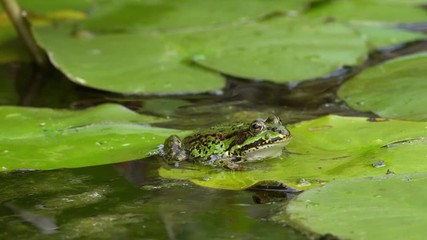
257, 126
273, 119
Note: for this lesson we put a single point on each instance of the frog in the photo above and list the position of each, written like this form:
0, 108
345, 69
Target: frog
229, 146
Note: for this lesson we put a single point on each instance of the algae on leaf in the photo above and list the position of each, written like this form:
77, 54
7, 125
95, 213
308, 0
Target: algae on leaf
325, 150
369, 208
394, 89
47, 139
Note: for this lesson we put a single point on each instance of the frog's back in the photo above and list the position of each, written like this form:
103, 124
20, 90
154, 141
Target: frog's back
215, 141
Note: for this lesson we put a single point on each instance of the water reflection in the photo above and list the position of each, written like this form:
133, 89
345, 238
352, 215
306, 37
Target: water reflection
129, 201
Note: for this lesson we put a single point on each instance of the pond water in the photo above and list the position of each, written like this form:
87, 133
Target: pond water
129, 200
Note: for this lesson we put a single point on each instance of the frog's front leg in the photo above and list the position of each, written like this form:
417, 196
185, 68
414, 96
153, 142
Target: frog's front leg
233, 166
173, 150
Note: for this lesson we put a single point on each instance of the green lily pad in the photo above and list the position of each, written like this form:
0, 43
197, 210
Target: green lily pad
164, 46
48, 139
382, 36
394, 89
370, 208
127, 63
189, 14
368, 11
324, 150
280, 50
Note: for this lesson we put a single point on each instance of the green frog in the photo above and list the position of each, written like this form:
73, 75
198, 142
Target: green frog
229, 145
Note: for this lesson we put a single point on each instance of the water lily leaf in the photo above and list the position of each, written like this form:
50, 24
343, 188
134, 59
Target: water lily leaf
189, 14
158, 64
368, 11
370, 208
47, 139
281, 50
103, 62
324, 150
164, 45
394, 89
382, 36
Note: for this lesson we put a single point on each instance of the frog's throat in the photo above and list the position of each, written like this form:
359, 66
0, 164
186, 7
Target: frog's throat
265, 151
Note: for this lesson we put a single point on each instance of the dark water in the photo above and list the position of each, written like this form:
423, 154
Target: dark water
129, 200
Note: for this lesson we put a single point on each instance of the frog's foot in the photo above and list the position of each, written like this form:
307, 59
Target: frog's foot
233, 166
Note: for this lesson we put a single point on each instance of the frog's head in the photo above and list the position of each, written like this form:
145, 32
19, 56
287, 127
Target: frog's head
267, 139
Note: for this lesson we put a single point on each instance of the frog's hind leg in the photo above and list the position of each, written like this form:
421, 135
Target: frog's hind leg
173, 150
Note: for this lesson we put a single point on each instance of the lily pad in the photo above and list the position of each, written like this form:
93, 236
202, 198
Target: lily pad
164, 46
324, 150
280, 50
369, 11
185, 14
383, 36
394, 89
370, 208
48, 139
127, 63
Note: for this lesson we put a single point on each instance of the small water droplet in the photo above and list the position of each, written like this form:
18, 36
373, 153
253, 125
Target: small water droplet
3, 168
303, 183
361, 102
5, 151
42, 124
407, 179
99, 143
199, 57
95, 52
378, 164
313, 58
95, 195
